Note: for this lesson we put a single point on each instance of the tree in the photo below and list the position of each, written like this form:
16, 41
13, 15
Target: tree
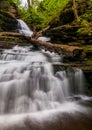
32, 3
75, 10
42, 12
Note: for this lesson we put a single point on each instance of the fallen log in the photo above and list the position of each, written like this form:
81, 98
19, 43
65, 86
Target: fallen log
73, 51
69, 51
10, 34
40, 33
63, 27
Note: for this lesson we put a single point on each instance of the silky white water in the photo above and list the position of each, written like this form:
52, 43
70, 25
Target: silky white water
28, 82
23, 28
43, 38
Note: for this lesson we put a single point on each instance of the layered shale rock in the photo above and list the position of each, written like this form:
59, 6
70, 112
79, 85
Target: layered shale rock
7, 22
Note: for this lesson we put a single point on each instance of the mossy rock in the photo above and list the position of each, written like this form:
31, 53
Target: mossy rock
7, 22
84, 8
68, 29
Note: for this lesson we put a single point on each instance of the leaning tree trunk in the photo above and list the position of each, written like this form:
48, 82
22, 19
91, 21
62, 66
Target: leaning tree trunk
75, 10
30, 3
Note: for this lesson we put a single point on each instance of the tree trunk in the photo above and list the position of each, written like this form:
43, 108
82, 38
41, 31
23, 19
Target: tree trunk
32, 2
40, 33
29, 4
75, 10
71, 51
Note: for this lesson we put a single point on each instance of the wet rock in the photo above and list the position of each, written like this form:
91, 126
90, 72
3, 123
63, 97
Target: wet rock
10, 39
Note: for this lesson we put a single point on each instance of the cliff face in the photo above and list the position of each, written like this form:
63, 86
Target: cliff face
9, 6
8, 13
7, 22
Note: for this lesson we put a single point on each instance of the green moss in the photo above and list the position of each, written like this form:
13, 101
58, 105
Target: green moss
85, 31
87, 48
88, 13
83, 23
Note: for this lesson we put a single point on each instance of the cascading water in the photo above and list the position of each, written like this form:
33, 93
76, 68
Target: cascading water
28, 84
46, 39
23, 28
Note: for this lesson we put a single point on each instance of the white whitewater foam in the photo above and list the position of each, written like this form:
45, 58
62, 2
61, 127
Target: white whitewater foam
43, 38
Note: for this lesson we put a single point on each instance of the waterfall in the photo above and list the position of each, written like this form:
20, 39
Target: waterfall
28, 82
23, 28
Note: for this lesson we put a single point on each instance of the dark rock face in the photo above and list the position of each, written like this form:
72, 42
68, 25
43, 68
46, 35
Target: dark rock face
88, 76
7, 22
9, 6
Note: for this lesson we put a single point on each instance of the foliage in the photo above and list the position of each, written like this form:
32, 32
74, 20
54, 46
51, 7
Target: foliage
88, 14
85, 31
43, 12
86, 19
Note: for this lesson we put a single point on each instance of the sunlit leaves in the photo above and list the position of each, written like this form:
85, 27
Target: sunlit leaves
41, 13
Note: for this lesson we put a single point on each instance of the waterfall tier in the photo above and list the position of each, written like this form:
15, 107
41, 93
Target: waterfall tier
28, 82
23, 28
